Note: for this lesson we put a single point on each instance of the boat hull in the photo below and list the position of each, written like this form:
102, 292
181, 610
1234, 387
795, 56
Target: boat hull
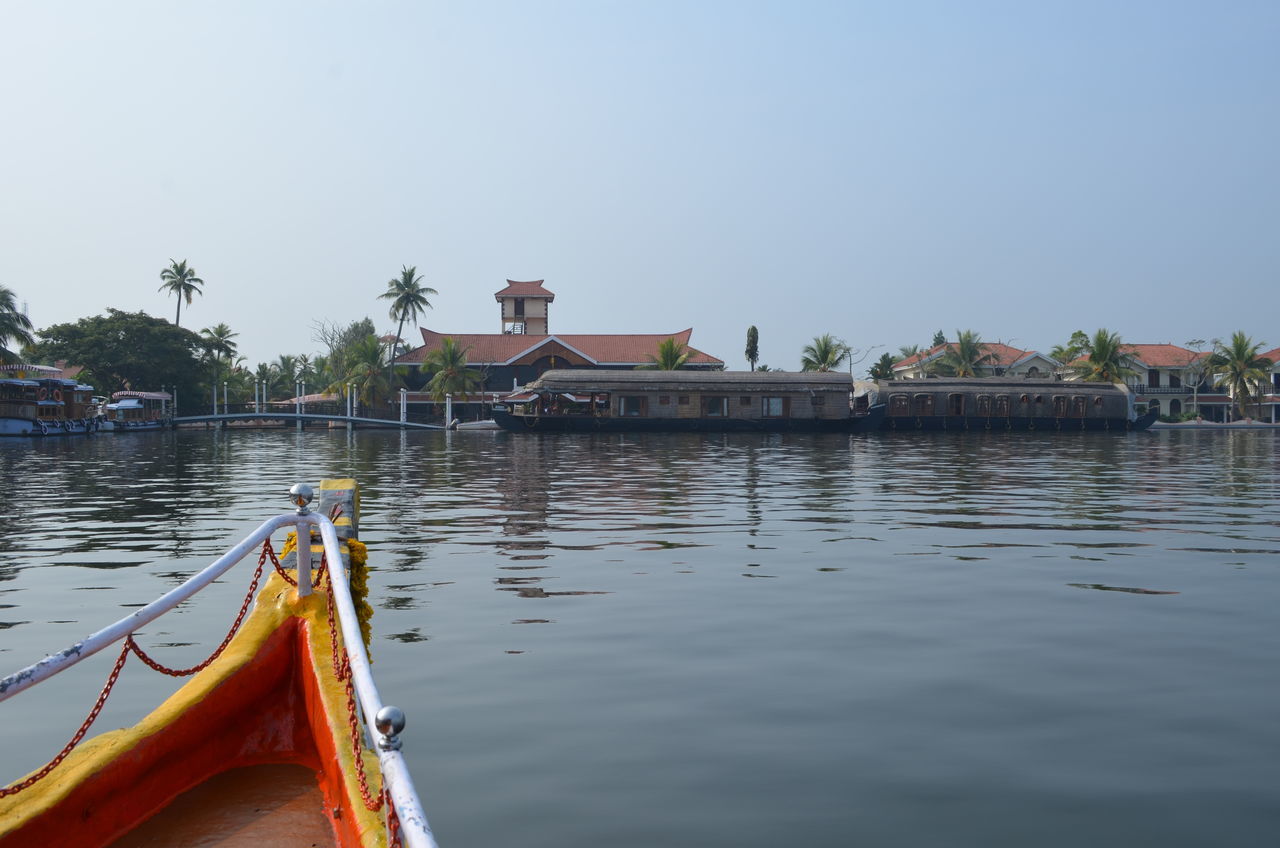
13, 426
521, 423
1020, 424
270, 698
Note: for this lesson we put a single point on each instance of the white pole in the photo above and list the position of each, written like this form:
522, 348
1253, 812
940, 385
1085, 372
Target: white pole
448, 409
224, 397
404, 395
215, 398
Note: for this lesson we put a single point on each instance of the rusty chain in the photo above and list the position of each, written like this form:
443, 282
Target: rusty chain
75, 740
131, 646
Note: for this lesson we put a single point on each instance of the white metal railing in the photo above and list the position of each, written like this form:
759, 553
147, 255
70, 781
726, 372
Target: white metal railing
414, 829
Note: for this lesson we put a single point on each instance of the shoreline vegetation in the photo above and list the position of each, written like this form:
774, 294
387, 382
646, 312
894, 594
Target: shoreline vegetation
135, 351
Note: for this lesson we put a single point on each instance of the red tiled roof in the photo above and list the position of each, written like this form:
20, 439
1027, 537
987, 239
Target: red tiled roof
1162, 355
1273, 355
602, 349
532, 288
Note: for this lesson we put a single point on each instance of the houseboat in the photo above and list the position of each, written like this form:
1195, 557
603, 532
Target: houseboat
582, 400
998, 403
132, 411
32, 403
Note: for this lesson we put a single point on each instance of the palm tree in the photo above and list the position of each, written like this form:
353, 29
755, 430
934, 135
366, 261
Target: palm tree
363, 366
826, 353
218, 341
1105, 359
672, 355
1072, 350
408, 299
883, 367
449, 372
13, 326
1241, 369
287, 366
966, 356
182, 282
753, 347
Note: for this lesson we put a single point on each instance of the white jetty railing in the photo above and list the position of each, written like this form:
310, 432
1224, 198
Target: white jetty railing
389, 721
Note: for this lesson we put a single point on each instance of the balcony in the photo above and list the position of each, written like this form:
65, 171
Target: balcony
1143, 389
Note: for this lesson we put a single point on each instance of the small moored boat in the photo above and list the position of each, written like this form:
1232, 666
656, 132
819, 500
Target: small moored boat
687, 401
132, 411
288, 692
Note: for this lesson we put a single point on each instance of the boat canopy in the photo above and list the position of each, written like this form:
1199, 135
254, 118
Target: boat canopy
142, 395
13, 381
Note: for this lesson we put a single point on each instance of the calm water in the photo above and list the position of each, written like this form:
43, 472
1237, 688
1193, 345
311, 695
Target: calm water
728, 640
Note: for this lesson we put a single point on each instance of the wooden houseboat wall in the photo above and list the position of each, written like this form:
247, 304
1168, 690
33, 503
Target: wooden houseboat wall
1011, 404
683, 400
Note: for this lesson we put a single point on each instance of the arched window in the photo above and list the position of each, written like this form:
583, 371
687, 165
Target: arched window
1175, 407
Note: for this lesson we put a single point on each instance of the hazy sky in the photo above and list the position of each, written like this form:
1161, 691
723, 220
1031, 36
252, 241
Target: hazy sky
878, 171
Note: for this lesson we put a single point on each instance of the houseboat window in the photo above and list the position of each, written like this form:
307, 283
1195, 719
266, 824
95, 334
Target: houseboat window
955, 403
715, 407
1023, 399
1077, 406
984, 405
899, 405
632, 405
775, 407
664, 400
1039, 398
924, 404
1059, 406
683, 400
744, 400
1097, 400
1002, 405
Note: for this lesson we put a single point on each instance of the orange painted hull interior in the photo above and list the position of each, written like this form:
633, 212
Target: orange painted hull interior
274, 704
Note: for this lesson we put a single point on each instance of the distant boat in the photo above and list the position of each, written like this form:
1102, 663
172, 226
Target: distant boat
617, 401
35, 400
1009, 403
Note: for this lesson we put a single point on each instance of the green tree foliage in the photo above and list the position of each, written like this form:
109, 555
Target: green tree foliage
15, 328
1072, 350
128, 350
182, 283
408, 298
965, 356
826, 353
447, 365
672, 356
362, 365
1240, 366
882, 368
753, 347
340, 341
1105, 359
939, 338
220, 345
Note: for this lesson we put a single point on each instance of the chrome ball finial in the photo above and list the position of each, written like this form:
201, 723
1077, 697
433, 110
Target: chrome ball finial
390, 722
300, 494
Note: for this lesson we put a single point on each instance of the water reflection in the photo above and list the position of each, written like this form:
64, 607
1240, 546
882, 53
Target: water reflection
903, 611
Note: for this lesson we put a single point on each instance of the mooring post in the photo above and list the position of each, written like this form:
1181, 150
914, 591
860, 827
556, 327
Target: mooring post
404, 395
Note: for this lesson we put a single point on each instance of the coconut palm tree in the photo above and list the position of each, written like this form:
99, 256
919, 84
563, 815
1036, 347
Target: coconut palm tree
363, 366
1105, 359
182, 282
966, 356
1239, 366
827, 353
1072, 350
449, 372
672, 355
14, 326
883, 367
218, 341
408, 299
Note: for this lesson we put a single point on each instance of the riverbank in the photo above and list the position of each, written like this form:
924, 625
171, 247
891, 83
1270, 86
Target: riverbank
1214, 425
